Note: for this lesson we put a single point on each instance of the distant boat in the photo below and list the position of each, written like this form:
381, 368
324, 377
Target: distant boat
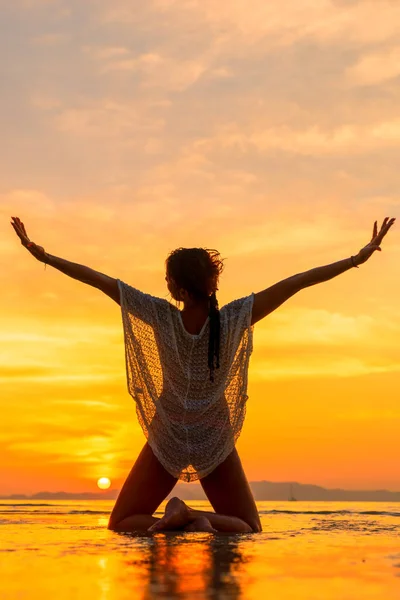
291, 497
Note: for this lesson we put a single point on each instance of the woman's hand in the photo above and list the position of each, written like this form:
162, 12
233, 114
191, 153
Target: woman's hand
36, 251
375, 242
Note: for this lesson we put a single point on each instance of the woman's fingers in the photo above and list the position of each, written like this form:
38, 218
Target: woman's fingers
17, 230
386, 225
16, 222
21, 226
375, 231
36, 251
20, 230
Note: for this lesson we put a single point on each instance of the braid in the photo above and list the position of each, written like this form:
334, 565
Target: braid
197, 271
214, 338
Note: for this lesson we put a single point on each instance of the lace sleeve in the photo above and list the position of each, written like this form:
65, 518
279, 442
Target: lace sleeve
140, 305
238, 315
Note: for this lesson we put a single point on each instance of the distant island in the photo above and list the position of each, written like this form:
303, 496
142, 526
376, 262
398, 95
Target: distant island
262, 490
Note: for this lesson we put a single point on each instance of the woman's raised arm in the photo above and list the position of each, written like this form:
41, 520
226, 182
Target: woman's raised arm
106, 284
102, 282
271, 298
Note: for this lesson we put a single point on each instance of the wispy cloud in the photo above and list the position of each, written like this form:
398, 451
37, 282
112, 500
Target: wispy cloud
313, 366
51, 39
318, 327
375, 68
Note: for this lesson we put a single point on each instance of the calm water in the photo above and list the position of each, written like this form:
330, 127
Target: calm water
308, 550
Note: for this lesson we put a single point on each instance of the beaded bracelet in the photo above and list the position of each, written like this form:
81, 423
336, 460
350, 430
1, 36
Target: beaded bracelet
353, 263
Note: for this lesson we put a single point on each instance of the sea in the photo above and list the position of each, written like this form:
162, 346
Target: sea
307, 551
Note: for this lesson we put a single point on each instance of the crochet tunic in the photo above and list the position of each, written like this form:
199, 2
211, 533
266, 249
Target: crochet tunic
190, 423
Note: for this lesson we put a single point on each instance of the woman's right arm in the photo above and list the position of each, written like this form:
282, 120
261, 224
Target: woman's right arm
106, 284
103, 282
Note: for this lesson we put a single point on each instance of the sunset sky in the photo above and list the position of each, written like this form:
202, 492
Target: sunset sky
267, 130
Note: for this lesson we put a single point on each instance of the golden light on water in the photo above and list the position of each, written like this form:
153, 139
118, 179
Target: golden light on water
103, 483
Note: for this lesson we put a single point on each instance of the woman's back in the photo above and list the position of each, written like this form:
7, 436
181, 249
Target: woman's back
191, 423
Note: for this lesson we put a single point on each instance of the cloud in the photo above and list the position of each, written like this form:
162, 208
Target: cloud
34, 338
106, 53
302, 342
22, 4
319, 327
373, 69
286, 23
312, 141
24, 372
31, 201
83, 449
156, 71
89, 404
319, 20
34, 375
313, 367
270, 235
107, 119
45, 102
51, 39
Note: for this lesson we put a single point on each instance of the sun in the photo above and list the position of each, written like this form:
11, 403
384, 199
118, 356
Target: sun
103, 483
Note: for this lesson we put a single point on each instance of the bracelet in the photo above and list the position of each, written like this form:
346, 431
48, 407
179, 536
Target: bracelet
353, 263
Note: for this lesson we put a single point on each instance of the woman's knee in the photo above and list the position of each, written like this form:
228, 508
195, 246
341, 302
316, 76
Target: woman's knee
255, 525
116, 517
113, 522
257, 528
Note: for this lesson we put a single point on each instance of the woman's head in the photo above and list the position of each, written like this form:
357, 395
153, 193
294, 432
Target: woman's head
192, 274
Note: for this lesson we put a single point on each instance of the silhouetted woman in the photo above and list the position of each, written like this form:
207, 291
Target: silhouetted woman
187, 372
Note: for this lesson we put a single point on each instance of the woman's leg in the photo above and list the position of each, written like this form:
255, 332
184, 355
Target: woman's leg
200, 524
146, 486
229, 493
178, 515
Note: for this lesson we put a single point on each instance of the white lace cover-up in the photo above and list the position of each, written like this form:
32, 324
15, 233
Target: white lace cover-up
191, 423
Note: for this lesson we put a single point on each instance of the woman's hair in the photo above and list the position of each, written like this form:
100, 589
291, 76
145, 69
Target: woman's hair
197, 271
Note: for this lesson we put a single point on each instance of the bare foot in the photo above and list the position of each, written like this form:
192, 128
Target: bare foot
176, 515
201, 524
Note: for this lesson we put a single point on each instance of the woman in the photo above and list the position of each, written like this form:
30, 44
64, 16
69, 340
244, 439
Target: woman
187, 372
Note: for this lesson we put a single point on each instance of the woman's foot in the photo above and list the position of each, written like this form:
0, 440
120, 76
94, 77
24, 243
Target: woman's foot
201, 524
176, 516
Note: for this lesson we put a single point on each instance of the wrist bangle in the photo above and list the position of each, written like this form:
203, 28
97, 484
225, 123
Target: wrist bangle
353, 263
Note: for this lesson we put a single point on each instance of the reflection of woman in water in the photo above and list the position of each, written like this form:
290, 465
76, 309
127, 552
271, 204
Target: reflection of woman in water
187, 372
216, 566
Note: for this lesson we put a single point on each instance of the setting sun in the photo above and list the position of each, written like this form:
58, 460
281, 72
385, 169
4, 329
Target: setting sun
103, 483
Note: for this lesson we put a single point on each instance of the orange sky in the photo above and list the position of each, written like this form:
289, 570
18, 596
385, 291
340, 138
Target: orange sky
270, 135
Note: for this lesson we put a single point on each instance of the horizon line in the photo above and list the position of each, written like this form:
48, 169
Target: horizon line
196, 483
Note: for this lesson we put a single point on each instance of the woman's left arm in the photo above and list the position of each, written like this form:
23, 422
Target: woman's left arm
320, 274
268, 300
